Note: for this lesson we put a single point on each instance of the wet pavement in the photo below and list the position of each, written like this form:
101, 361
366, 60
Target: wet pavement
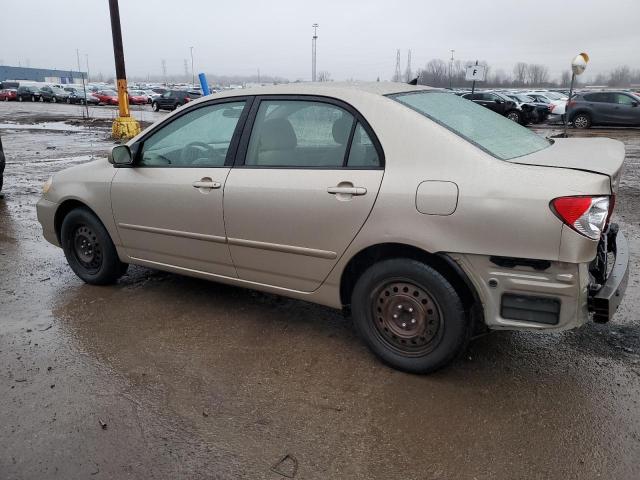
163, 376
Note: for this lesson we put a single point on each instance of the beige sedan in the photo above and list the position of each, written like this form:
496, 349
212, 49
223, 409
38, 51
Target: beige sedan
426, 216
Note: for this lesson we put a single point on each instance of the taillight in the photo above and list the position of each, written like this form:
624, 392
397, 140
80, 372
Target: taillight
551, 107
570, 104
586, 215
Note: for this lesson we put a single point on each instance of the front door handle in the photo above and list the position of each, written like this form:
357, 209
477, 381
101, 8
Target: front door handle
206, 183
347, 190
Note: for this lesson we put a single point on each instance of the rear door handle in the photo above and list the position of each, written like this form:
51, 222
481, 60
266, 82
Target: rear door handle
206, 183
347, 190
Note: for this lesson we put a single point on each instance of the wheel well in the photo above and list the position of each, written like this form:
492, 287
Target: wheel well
443, 264
62, 211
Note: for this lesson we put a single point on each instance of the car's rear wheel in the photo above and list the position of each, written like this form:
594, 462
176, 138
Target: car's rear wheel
515, 116
20, 99
582, 120
409, 315
155, 107
89, 249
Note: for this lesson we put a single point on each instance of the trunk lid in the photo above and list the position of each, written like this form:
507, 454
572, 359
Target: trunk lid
604, 156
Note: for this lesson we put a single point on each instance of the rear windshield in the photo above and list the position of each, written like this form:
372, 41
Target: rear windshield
493, 133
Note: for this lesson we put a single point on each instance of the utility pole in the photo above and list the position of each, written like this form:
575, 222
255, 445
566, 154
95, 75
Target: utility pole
451, 68
86, 58
124, 126
193, 74
84, 88
164, 71
408, 73
398, 76
313, 51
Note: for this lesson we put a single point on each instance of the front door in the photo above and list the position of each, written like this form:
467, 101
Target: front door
168, 205
626, 110
306, 178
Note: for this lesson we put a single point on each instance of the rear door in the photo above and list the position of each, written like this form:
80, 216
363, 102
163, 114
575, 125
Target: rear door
307, 174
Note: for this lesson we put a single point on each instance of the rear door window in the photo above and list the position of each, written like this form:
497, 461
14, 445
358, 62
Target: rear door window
299, 134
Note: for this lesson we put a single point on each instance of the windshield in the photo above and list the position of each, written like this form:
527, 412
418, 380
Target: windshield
554, 96
493, 133
523, 98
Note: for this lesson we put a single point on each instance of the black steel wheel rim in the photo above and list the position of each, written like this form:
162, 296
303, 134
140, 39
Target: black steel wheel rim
87, 249
407, 319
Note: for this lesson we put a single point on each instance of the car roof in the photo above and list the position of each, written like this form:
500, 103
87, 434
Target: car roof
332, 89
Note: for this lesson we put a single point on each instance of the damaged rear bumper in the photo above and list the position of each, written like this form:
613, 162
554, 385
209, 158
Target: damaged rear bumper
604, 298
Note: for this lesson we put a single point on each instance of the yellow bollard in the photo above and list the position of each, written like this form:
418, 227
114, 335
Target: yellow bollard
124, 126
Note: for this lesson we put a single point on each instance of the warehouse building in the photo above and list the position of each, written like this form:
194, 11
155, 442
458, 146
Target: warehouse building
40, 75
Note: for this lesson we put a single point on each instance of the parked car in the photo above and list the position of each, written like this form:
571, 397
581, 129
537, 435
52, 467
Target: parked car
557, 101
539, 111
81, 97
604, 108
8, 94
53, 94
170, 100
410, 207
28, 93
138, 97
497, 103
107, 97
151, 95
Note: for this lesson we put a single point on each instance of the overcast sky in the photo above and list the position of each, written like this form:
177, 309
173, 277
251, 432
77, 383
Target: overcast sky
357, 39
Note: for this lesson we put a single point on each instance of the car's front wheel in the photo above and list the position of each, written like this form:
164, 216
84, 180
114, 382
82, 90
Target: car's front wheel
582, 120
409, 315
155, 106
514, 116
89, 249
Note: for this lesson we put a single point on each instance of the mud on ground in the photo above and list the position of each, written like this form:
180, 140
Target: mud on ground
163, 376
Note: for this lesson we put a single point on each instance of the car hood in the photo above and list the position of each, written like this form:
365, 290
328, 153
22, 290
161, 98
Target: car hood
598, 155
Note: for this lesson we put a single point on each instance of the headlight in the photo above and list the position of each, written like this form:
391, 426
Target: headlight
47, 185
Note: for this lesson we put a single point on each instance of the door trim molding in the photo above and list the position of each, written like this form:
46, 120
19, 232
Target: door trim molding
277, 247
173, 233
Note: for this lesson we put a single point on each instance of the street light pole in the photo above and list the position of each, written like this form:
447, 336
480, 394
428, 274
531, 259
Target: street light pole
451, 68
123, 126
193, 74
313, 51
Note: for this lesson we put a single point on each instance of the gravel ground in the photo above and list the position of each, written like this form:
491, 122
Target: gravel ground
163, 376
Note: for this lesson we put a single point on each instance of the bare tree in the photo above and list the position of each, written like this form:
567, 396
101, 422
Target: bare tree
620, 76
436, 72
537, 74
520, 71
324, 76
565, 79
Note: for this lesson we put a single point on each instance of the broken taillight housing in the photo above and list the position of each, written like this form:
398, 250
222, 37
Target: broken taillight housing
586, 215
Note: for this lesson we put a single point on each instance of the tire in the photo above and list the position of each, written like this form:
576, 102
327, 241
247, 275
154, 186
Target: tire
514, 115
69, 101
409, 298
582, 121
89, 249
33, 98
20, 99
42, 99
155, 107
54, 100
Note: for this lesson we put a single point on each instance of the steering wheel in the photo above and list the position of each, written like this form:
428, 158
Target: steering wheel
185, 157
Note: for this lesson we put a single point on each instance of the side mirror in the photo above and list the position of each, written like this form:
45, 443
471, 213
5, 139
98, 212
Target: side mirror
497, 100
120, 155
634, 104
